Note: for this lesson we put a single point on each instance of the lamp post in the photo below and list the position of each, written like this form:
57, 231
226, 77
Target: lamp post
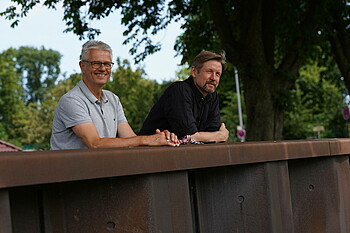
240, 130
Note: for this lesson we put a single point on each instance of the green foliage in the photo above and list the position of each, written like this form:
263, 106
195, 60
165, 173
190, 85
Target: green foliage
36, 126
26, 74
267, 41
146, 17
36, 130
200, 33
229, 115
315, 101
11, 98
183, 72
228, 102
136, 93
40, 69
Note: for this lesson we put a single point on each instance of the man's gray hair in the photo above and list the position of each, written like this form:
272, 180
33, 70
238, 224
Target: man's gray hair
94, 44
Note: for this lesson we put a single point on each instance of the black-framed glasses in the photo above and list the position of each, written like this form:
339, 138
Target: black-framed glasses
98, 64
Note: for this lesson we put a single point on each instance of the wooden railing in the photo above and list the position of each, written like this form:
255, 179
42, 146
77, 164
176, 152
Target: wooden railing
257, 187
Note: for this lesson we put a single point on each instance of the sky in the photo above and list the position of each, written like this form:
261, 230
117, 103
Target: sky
44, 27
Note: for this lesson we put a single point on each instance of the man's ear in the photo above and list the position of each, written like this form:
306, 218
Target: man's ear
81, 65
193, 71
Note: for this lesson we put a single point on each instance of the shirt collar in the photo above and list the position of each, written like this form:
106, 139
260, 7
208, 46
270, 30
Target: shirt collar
89, 94
198, 94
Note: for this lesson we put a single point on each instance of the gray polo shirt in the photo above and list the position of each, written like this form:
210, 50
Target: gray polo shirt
79, 106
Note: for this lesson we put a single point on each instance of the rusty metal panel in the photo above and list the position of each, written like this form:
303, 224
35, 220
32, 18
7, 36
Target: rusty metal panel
40, 167
243, 198
234, 187
171, 202
320, 194
339, 146
26, 214
5, 212
278, 191
148, 203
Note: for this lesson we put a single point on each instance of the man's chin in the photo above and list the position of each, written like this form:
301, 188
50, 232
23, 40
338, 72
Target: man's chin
102, 79
209, 91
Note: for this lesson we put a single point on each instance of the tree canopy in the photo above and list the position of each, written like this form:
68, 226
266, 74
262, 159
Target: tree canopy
26, 74
267, 41
40, 69
11, 97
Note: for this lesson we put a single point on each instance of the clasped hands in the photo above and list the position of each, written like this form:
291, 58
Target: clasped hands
164, 138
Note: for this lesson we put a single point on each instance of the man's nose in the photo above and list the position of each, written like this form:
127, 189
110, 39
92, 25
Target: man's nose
102, 67
212, 76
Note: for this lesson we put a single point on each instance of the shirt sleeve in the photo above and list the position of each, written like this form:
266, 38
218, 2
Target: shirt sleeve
73, 112
179, 109
120, 112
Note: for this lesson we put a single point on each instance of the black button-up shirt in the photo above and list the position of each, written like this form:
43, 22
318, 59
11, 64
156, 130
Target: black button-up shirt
183, 110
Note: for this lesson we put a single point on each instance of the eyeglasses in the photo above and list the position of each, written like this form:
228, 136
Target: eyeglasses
97, 64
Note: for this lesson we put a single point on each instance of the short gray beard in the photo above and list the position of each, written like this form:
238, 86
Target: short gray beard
205, 89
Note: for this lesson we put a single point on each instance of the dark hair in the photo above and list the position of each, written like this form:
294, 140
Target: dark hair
205, 56
94, 44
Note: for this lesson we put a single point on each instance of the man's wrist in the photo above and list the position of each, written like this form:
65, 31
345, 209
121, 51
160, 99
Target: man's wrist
144, 140
188, 140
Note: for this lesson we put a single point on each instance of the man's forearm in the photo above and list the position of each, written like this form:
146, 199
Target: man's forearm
217, 136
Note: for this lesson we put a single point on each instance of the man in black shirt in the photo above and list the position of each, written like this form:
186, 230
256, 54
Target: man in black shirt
190, 108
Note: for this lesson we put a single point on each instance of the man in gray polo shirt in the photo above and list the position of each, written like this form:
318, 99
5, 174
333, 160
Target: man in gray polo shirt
89, 117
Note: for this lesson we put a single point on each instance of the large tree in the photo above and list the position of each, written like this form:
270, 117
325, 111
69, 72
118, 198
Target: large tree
26, 76
11, 98
267, 41
40, 69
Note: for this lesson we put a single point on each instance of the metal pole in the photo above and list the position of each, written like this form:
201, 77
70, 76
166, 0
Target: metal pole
239, 103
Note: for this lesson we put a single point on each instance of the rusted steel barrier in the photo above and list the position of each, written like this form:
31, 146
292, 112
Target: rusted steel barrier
257, 187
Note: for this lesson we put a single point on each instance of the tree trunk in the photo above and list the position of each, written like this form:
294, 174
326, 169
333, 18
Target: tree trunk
339, 38
340, 42
248, 35
263, 108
